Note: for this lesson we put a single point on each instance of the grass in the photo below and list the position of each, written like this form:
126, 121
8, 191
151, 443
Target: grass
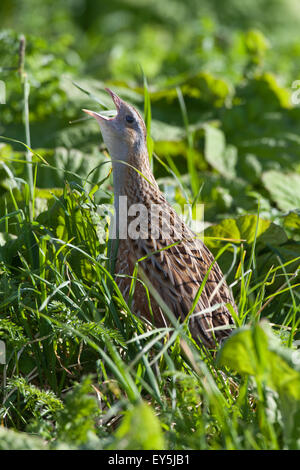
82, 371
64, 318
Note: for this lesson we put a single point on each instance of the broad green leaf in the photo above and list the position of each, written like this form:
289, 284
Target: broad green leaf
257, 352
216, 153
207, 88
256, 43
283, 188
292, 220
165, 132
244, 228
140, 430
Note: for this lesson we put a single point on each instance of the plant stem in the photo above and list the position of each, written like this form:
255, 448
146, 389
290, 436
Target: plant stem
26, 90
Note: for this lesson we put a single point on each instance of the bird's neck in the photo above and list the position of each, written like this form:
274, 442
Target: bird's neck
131, 175
133, 183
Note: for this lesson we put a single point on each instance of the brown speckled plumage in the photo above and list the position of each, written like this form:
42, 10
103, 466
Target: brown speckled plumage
177, 272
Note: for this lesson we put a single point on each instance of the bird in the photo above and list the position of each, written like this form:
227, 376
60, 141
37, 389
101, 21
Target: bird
177, 264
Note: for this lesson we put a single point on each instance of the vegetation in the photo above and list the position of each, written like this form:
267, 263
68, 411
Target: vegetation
82, 371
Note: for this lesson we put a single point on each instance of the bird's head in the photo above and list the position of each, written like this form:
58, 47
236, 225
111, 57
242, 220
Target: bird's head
123, 134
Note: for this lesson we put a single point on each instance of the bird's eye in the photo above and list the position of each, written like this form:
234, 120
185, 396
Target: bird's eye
129, 119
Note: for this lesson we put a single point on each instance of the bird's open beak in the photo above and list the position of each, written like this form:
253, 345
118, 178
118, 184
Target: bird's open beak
104, 115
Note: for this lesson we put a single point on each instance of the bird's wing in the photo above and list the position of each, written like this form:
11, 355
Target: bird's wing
177, 272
